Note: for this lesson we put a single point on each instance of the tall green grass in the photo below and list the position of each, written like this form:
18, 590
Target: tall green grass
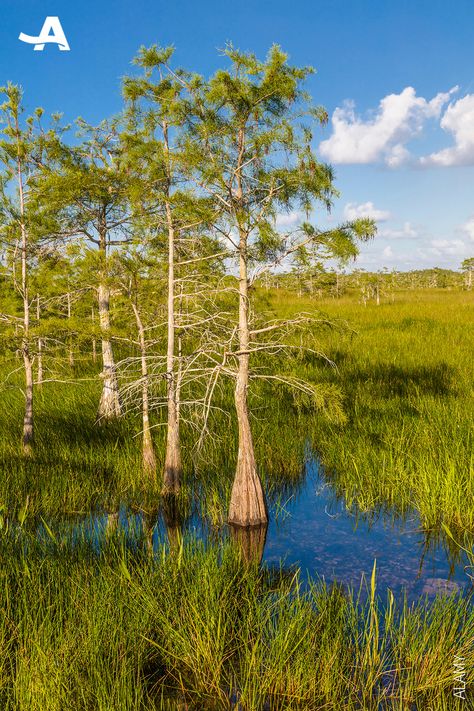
405, 371
407, 376
195, 629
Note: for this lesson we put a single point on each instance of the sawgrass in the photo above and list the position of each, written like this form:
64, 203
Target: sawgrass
194, 628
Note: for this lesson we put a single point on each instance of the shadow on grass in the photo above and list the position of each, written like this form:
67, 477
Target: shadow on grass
393, 380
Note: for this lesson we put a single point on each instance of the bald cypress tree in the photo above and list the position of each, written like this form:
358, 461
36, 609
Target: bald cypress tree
252, 150
159, 110
22, 226
88, 187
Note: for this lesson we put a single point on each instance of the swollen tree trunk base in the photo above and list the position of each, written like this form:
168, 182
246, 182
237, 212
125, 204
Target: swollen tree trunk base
247, 502
109, 405
173, 469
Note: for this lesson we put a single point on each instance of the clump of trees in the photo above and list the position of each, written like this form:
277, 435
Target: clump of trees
168, 215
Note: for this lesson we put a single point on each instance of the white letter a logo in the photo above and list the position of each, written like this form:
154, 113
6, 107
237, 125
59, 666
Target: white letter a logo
57, 37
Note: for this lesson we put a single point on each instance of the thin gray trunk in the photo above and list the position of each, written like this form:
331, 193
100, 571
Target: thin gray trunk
70, 351
173, 467
28, 430
179, 372
173, 470
39, 375
109, 406
148, 453
94, 343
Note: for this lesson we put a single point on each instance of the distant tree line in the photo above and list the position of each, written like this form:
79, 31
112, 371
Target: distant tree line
319, 281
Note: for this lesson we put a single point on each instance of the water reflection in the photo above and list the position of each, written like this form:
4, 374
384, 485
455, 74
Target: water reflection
310, 527
315, 530
250, 541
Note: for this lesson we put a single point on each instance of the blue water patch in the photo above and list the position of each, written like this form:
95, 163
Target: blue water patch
315, 531
311, 528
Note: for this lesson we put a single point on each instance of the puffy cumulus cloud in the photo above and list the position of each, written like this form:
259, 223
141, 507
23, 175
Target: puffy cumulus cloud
443, 248
468, 229
383, 136
353, 211
458, 119
287, 220
406, 231
388, 251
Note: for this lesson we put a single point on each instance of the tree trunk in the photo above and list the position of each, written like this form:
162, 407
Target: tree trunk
94, 344
148, 453
39, 375
173, 467
109, 406
28, 430
70, 351
247, 503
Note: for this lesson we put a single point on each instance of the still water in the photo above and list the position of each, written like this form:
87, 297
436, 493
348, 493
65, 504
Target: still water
325, 539
314, 530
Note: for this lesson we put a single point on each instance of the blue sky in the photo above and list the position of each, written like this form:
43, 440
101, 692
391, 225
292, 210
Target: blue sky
397, 78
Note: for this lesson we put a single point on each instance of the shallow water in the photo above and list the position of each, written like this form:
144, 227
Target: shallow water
317, 532
312, 529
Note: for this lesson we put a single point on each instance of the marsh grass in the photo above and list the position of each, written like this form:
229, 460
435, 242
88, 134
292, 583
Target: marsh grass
407, 376
191, 627
194, 628
81, 466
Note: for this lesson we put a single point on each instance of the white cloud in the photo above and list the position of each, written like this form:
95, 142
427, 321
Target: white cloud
383, 136
353, 211
468, 229
458, 120
285, 220
388, 251
445, 248
407, 231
